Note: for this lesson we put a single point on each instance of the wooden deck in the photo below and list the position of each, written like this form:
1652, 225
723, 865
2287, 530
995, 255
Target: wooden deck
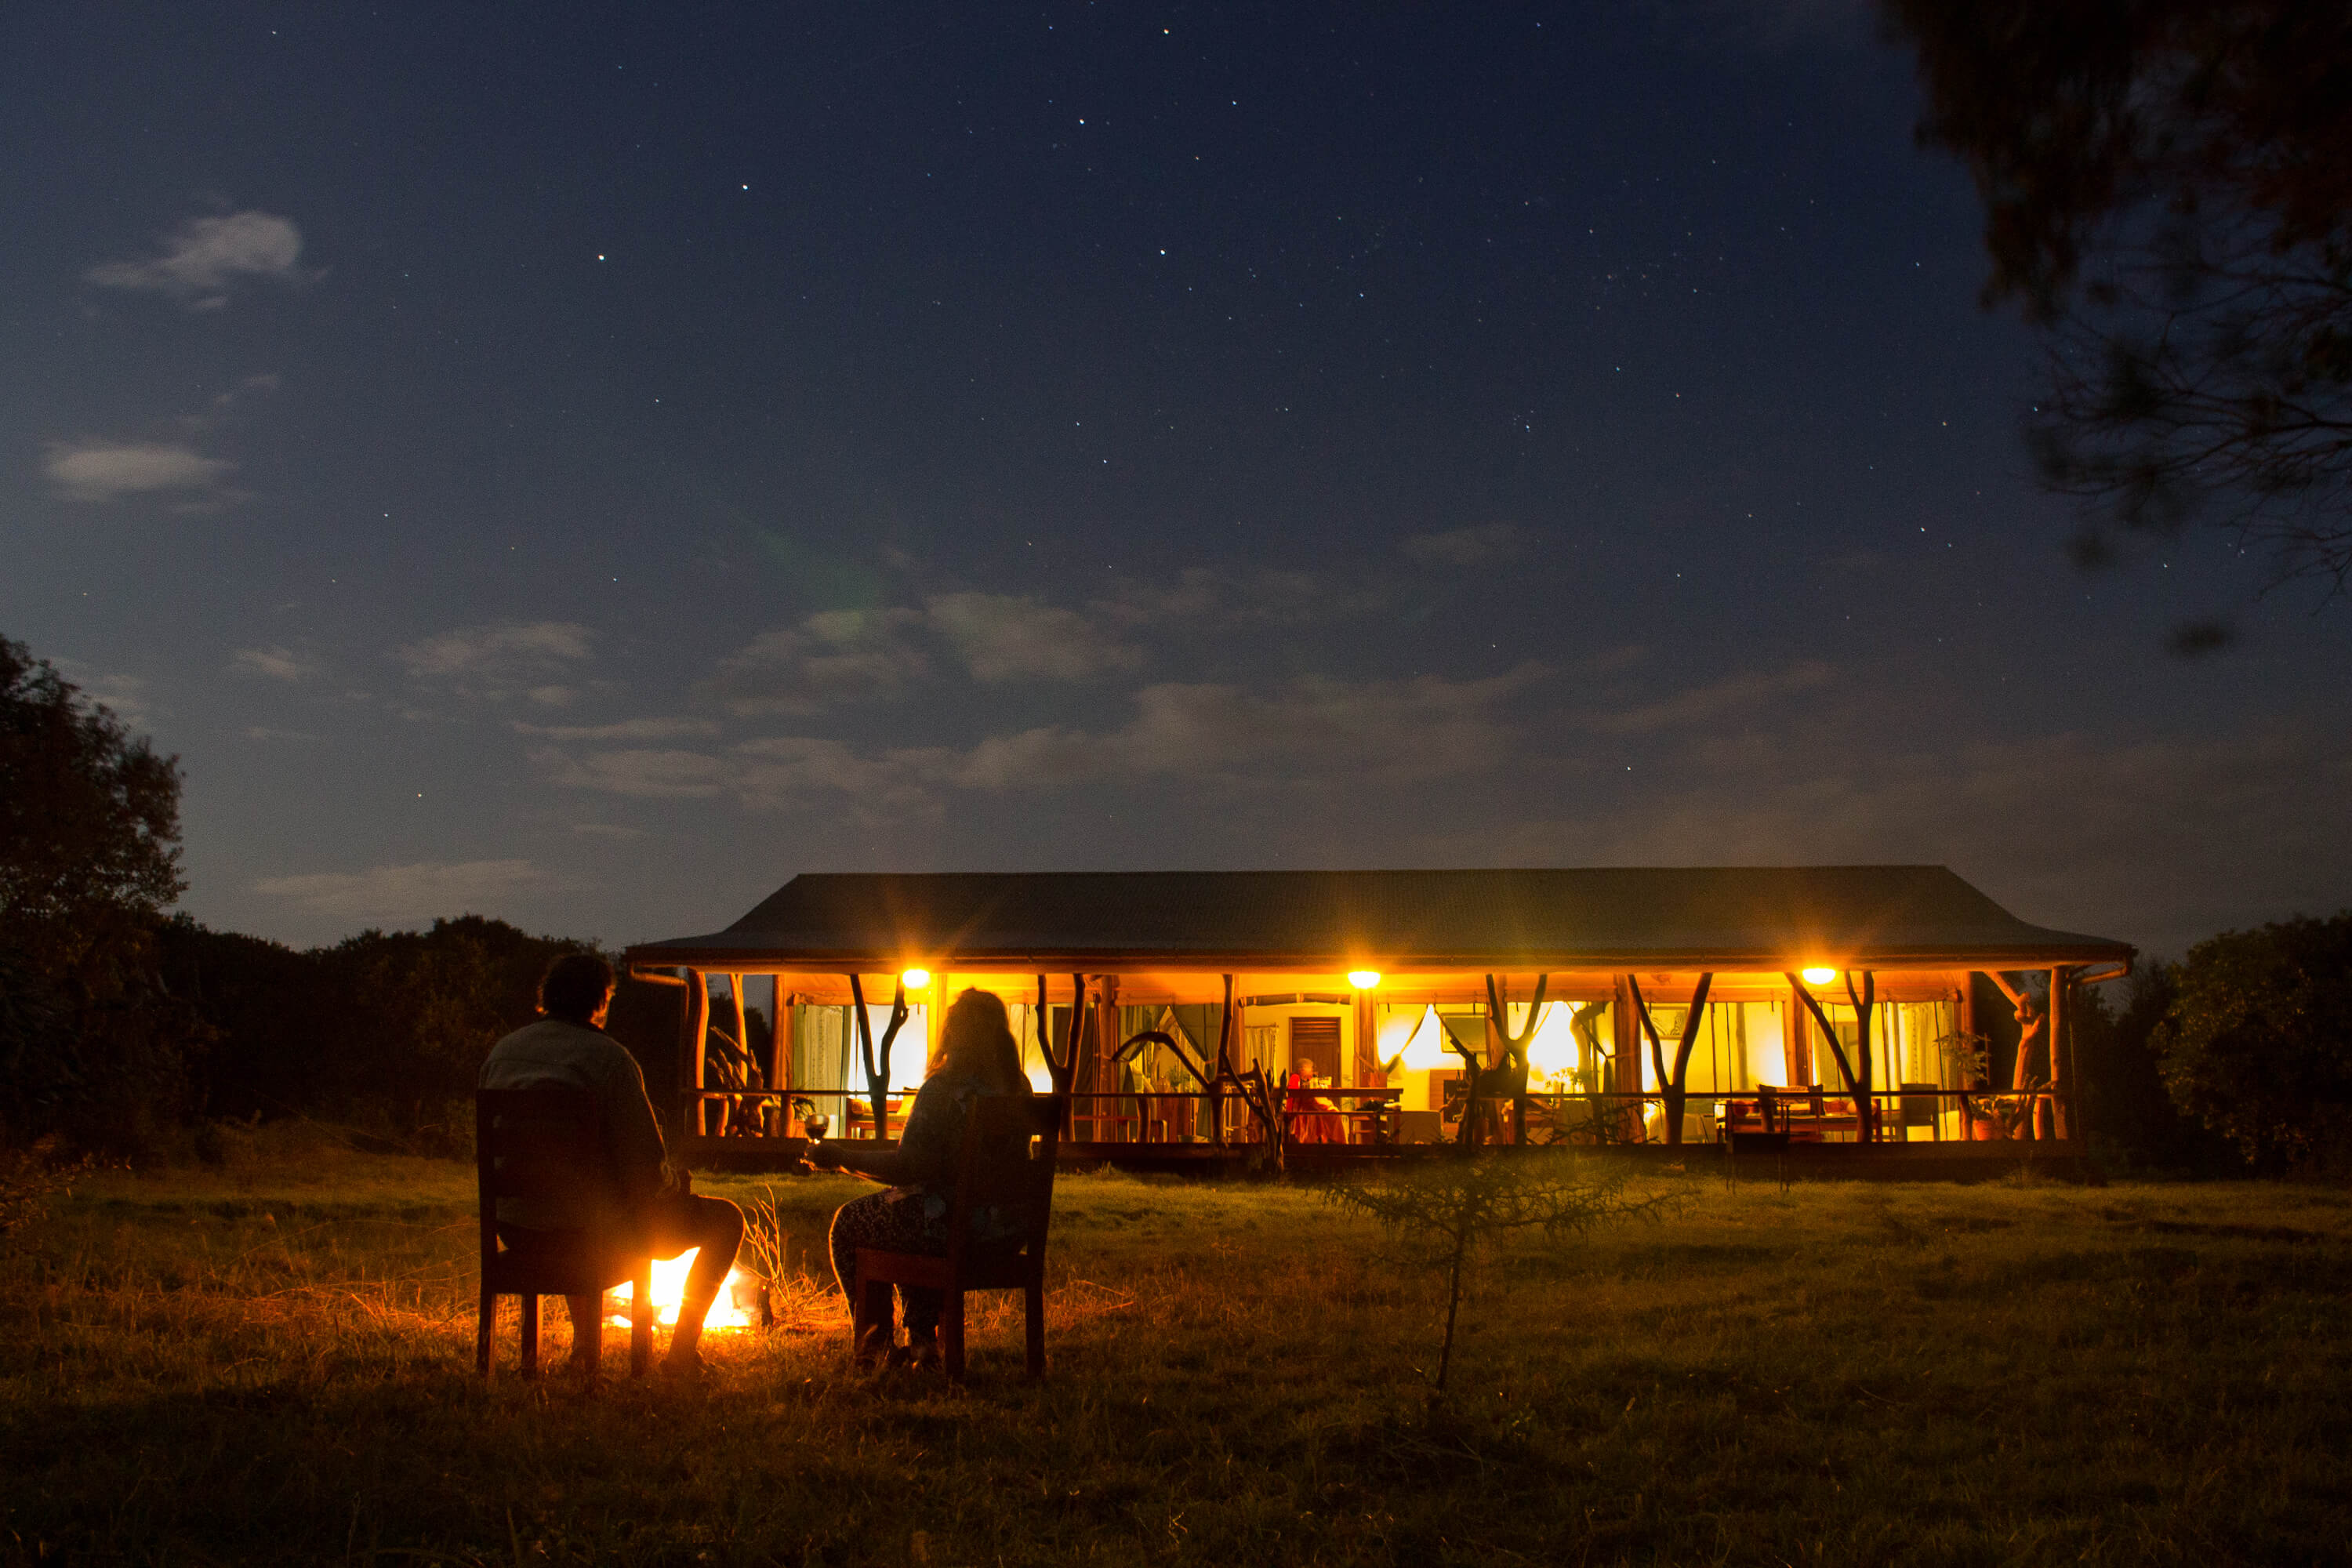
1923, 1161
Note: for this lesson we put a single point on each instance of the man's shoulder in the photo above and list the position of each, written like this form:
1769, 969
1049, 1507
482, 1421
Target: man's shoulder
554, 1048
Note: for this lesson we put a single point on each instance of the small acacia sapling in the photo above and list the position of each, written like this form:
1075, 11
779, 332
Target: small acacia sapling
1441, 1213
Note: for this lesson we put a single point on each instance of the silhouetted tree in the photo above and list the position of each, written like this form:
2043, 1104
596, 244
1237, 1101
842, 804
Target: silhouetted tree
2257, 1043
91, 1043
2168, 190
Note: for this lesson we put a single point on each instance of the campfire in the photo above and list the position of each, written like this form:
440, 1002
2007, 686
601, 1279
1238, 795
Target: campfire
738, 1306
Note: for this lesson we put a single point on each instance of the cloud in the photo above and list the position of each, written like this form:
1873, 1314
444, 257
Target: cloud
107, 470
407, 893
1004, 637
1201, 597
1484, 545
1308, 732
205, 255
2067, 829
785, 773
642, 774
1702, 703
627, 730
606, 830
497, 662
124, 695
834, 656
274, 663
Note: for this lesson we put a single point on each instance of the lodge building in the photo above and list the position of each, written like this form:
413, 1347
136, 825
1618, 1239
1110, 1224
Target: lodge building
1202, 1016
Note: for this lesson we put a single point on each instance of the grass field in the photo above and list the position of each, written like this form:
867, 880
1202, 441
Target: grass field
271, 1363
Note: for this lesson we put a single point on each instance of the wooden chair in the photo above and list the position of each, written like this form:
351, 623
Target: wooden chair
1919, 1104
545, 1143
1770, 1140
1006, 1164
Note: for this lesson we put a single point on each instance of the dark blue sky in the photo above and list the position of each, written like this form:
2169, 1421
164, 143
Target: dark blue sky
586, 467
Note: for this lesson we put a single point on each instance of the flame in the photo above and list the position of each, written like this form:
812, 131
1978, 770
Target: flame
736, 1307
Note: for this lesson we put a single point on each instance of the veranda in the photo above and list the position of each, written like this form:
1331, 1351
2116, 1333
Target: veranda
1199, 1019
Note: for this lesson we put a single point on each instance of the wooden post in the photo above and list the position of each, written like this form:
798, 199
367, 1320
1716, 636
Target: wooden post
1796, 1048
786, 1041
1625, 1057
1106, 1041
692, 1027
1224, 1071
2066, 1123
742, 1021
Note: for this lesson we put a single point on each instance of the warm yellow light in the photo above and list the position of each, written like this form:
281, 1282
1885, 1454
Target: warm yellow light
1427, 1048
735, 1308
915, 979
1363, 979
1553, 1050
1818, 976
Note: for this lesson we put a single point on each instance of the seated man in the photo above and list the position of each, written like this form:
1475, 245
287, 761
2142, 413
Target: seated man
649, 1215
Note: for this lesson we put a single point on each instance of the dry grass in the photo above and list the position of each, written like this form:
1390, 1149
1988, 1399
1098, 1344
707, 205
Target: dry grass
270, 1363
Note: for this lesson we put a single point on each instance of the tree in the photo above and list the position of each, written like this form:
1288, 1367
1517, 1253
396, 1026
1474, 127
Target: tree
2168, 192
89, 827
91, 1046
2126, 1111
2258, 1043
1445, 1211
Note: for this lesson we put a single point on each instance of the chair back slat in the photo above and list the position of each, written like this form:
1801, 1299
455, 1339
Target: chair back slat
1007, 1164
543, 1142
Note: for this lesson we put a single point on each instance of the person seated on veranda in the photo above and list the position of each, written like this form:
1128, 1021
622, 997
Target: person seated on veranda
644, 1211
978, 1056
1299, 1106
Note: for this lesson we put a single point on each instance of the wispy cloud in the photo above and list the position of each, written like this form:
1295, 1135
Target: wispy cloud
1006, 636
275, 664
857, 655
835, 656
102, 471
1484, 545
1307, 732
498, 662
1714, 700
2246, 825
627, 730
643, 773
124, 695
408, 893
204, 257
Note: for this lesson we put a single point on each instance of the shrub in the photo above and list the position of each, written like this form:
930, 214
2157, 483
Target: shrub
2258, 1043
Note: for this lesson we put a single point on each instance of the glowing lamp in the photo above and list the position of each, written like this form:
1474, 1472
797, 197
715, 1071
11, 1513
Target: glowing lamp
1363, 979
1818, 976
915, 979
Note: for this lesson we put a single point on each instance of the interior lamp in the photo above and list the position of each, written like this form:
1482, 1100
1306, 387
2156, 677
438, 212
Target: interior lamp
915, 979
1817, 975
1363, 979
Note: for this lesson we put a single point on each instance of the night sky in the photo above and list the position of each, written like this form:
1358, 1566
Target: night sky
585, 465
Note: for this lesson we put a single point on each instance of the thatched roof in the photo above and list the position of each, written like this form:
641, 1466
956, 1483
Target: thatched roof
1736, 917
